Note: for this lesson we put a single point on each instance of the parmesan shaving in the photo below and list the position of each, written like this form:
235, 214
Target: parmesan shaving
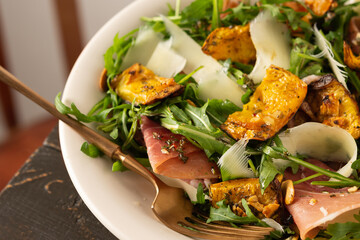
321, 142
213, 82
272, 43
325, 47
164, 61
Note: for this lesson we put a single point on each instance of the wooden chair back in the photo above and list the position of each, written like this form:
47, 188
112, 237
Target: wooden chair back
72, 44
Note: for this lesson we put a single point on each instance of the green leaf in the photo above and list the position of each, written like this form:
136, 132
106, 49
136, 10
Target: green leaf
241, 14
73, 110
217, 6
302, 62
90, 149
246, 97
60, 106
219, 110
268, 172
179, 114
199, 117
348, 230
289, 16
114, 134
211, 141
118, 167
197, 10
356, 164
114, 54
200, 196
224, 213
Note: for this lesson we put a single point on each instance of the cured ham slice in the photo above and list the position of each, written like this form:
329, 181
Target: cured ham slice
315, 207
313, 211
173, 156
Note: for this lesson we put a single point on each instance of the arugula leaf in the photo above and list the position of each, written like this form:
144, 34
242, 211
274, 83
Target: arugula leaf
197, 10
345, 231
217, 6
179, 114
211, 141
278, 153
224, 213
268, 171
199, 116
199, 130
200, 196
196, 19
73, 110
240, 15
118, 166
90, 149
356, 164
219, 110
302, 62
289, 16
114, 55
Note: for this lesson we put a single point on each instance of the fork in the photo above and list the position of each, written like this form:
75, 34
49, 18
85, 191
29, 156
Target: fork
170, 205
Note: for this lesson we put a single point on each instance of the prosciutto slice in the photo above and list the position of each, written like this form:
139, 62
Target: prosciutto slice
315, 207
313, 211
173, 156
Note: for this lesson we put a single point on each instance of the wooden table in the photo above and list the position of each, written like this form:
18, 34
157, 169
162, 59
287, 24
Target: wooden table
40, 202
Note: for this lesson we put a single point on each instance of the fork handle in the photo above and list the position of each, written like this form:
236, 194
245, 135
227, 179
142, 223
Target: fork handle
104, 144
132, 164
109, 148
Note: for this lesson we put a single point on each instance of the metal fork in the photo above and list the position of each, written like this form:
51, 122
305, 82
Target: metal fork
170, 205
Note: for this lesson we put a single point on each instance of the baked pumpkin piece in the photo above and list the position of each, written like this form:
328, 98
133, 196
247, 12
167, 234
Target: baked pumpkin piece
140, 83
272, 105
319, 7
231, 42
331, 103
233, 191
350, 59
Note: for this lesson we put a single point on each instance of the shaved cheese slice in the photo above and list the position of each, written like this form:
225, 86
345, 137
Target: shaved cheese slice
164, 61
213, 82
272, 43
325, 47
321, 142
145, 44
234, 162
155, 54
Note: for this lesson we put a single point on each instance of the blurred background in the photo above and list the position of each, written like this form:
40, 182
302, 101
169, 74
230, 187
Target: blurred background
39, 42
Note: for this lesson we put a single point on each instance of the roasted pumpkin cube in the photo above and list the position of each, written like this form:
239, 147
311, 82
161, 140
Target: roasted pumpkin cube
331, 103
233, 191
350, 59
319, 7
272, 105
140, 83
231, 42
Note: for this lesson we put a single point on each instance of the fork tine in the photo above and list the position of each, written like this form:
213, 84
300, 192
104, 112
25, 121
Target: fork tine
200, 218
213, 233
190, 231
217, 228
229, 232
255, 228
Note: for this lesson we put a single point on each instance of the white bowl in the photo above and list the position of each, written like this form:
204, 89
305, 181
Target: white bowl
121, 201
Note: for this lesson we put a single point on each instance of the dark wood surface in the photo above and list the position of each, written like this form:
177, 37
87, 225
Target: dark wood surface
40, 202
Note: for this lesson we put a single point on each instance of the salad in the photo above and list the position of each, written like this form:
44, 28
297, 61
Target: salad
250, 106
